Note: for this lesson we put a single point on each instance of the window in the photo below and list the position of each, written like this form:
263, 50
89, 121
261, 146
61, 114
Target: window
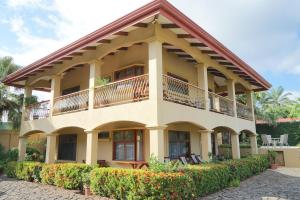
178, 87
103, 135
71, 90
129, 72
67, 147
128, 145
179, 143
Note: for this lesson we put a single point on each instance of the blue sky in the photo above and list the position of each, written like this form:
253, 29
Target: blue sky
264, 33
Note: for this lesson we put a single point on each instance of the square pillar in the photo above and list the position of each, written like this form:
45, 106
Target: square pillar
203, 82
206, 148
235, 146
231, 94
157, 143
249, 95
155, 79
95, 67
253, 143
51, 149
55, 90
22, 148
91, 147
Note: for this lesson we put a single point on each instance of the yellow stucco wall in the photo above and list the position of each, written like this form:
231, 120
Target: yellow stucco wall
8, 139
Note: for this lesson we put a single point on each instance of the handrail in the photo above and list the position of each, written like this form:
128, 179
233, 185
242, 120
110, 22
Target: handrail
244, 111
221, 104
72, 94
123, 91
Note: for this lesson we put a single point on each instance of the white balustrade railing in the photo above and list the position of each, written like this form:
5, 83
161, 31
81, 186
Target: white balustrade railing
220, 104
123, 91
243, 111
76, 101
181, 92
37, 111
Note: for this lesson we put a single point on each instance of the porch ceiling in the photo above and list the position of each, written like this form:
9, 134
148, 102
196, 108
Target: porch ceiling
169, 18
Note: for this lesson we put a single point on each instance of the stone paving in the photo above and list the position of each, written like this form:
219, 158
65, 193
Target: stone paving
272, 185
280, 184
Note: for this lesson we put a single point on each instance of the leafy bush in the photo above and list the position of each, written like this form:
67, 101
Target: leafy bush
140, 184
12, 154
32, 154
68, 176
10, 169
2, 153
172, 166
29, 171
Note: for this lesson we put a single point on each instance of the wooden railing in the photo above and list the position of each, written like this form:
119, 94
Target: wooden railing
181, 92
76, 101
37, 111
220, 104
124, 91
243, 111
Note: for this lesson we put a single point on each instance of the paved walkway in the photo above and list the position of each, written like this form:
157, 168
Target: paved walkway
272, 185
280, 184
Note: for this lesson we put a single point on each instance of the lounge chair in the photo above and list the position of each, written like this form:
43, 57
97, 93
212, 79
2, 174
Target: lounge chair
195, 159
167, 159
183, 160
199, 158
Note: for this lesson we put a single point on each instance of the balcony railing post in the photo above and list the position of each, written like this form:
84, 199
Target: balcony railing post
250, 105
231, 94
55, 91
203, 82
95, 66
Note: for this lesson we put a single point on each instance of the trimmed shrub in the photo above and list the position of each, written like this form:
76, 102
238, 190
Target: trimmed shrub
10, 169
68, 176
140, 184
29, 171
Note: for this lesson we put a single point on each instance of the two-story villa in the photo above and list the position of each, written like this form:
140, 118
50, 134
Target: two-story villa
151, 82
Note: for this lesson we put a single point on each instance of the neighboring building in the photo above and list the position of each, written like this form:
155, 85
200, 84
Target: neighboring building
8, 137
171, 89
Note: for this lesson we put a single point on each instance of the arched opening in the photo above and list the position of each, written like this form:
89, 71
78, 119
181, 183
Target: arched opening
122, 143
182, 139
69, 144
248, 143
225, 143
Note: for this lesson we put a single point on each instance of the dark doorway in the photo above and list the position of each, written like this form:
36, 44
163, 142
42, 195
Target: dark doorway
67, 147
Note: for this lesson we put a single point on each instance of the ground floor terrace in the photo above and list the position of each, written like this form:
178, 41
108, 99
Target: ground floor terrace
131, 144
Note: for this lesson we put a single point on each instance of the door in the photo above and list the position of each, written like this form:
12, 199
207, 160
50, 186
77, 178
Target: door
67, 147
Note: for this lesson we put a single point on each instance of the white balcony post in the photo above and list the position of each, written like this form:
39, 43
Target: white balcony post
231, 94
203, 82
95, 67
91, 147
155, 78
22, 147
206, 147
235, 145
55, 91
253, 143
27, 94
250, 105
51, 148
157, 143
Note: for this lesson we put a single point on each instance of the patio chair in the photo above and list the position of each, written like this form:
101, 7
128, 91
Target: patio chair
194, 159
283, 140
266, 139
199, 158
183, 160
269, 140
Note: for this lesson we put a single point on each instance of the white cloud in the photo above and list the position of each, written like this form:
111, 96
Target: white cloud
294, 94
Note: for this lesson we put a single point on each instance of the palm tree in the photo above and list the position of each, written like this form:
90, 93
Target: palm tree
7, 66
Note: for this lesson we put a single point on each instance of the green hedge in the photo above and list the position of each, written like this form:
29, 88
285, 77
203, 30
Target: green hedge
291, 128
189, 182
140, 184
68, 176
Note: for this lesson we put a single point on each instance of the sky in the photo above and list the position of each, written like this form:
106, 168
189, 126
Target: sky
264, 33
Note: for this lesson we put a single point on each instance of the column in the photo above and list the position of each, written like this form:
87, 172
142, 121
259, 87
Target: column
95, 67
27, 94
253, 143
235, 146
157, 143
91, 147
155, 79
206, 148
249, 95
22, 147
51, 148
203, 82
231, 94
55, 91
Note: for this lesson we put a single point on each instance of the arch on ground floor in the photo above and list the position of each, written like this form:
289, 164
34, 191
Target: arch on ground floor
118, 125
32, 132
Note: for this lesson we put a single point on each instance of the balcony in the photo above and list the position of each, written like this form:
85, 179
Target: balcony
137, 89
